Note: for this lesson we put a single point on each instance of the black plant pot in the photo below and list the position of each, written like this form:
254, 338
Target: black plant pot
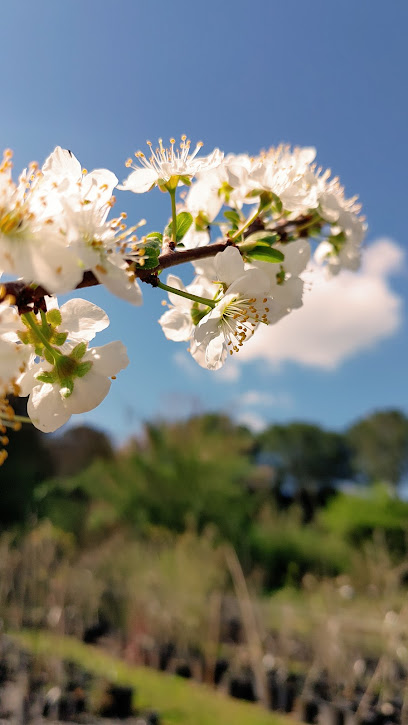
120, 703
242, 688
309, 710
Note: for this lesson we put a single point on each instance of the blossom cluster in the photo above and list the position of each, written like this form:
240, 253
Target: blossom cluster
245, 223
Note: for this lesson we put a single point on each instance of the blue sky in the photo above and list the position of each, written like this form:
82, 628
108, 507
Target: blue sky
101, 77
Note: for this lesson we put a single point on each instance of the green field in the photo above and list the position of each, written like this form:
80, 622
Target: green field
178, 701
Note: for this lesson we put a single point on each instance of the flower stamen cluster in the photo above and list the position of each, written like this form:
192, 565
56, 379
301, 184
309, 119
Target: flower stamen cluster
240, 318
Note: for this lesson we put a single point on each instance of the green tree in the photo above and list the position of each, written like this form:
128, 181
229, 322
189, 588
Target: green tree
309, 458
195, 470
76, 448
380, 446
28, 463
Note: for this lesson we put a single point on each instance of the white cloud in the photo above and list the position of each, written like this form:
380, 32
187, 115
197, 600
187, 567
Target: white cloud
260, 398
229, 373
340, 317
184, 361
253, 421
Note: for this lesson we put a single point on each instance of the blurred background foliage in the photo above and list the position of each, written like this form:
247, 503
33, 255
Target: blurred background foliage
291, 499
135, 539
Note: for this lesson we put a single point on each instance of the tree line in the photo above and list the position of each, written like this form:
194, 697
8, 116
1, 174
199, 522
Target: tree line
207, 467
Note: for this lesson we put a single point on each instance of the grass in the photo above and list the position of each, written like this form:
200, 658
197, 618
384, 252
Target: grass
178, 701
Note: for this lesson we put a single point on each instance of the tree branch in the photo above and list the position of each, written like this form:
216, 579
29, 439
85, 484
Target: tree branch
29, 298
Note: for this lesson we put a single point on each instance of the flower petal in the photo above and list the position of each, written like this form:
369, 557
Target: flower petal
229, 265
139, 181
211, 356
253, 283
82, 319
88, 392
182, 302
62, 163
108, 359
177, 325
117, 281
46, 408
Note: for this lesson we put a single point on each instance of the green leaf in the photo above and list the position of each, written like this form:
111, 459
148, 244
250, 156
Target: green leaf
79, 351
153, 240
266, 198
159, 235
233, 217
263, 236
184, 221
54, 318
151, 258
266, 254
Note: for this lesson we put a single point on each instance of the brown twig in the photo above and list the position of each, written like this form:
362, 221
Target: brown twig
29, 297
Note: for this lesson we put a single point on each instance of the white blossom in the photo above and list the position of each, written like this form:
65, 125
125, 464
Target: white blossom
84, 201
30, 245
78, 378
14, 356
177, 322
55, 224
342, 248
166, 164
243, 305
288, 174
49, 407
286, 283
229, 183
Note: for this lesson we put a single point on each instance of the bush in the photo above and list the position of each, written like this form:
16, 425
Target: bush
356, 518
286, 550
